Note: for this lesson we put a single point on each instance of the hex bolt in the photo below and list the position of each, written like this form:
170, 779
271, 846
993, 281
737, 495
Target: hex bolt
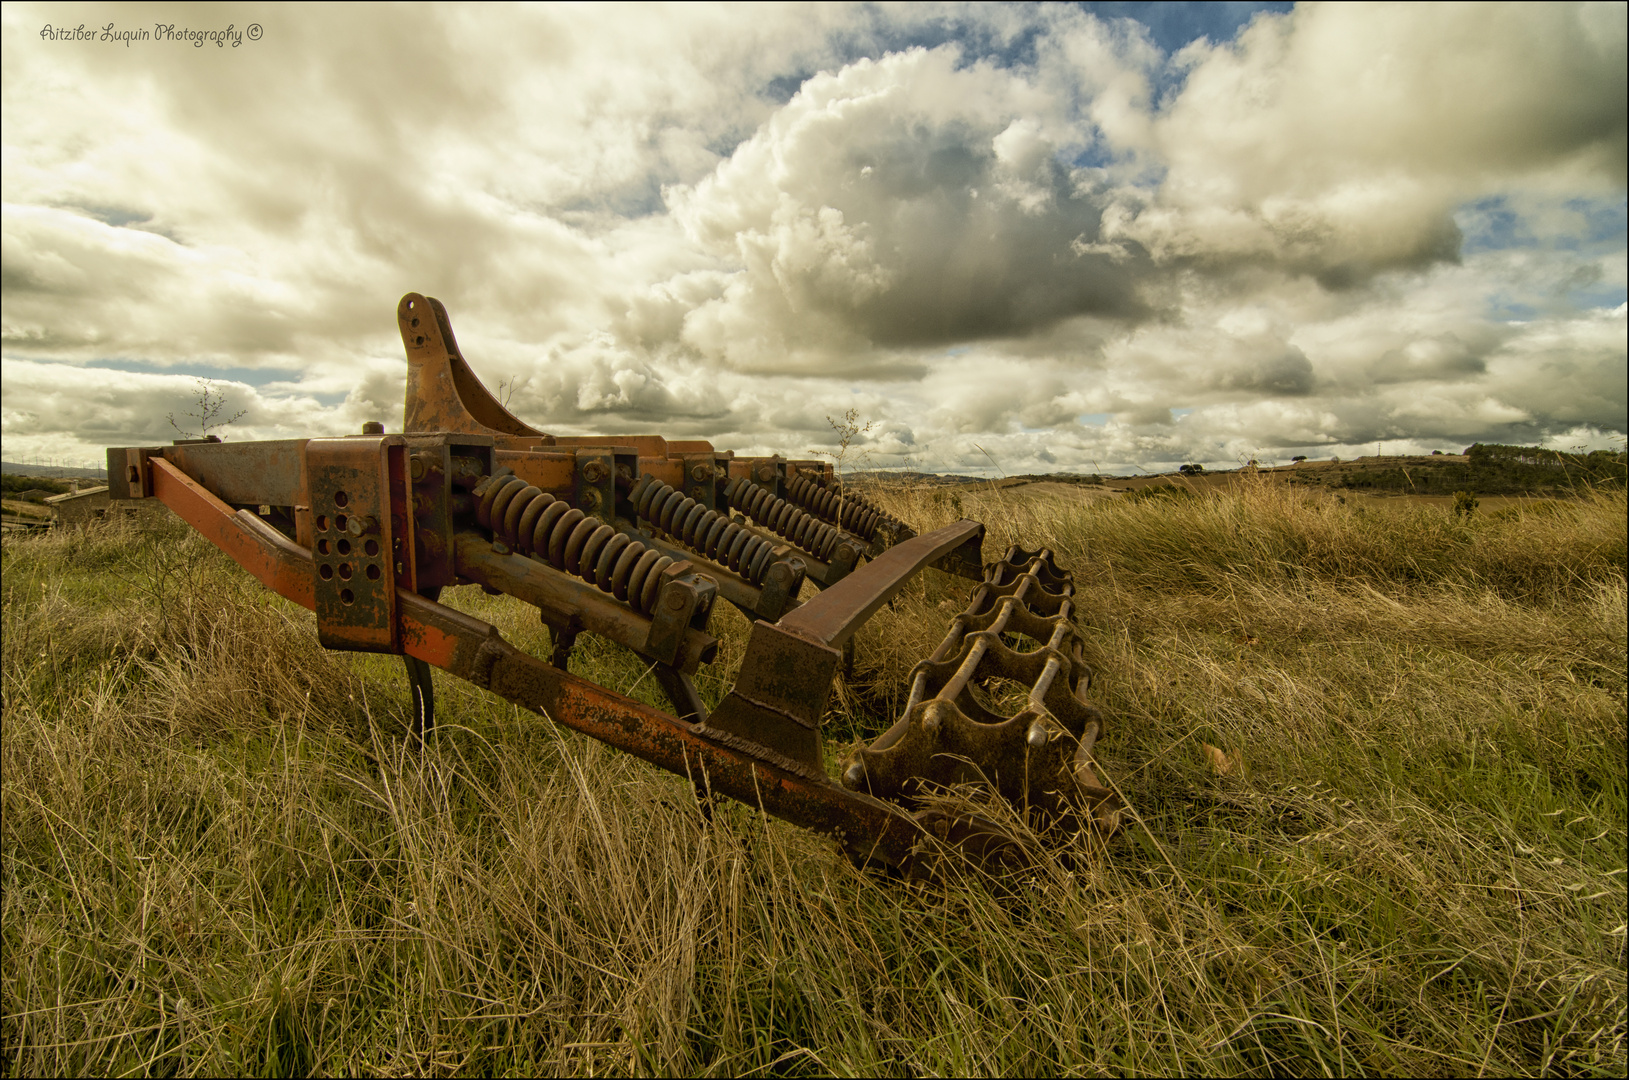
700, 473
361, 523
373, 427
591, 499
594, 472
423, 463
766, 473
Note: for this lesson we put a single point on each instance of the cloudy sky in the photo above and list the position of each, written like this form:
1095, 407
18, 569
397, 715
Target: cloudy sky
1087, 237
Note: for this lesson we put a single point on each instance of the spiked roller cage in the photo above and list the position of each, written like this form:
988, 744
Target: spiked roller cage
636, 539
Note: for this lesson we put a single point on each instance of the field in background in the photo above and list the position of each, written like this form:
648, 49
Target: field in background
218, 858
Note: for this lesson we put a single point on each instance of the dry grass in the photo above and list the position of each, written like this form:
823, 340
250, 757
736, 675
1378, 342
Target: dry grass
217, 857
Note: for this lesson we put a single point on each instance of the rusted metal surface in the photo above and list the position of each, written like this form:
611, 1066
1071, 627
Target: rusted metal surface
831, 503
633, 538
779, 698
362, 539
262, 473
563, 600
834, 615
443, 394
692, 523
1038, 756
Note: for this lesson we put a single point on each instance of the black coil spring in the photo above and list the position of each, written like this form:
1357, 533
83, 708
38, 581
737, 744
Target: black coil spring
859, 516
782, 518
700, 529
551, 530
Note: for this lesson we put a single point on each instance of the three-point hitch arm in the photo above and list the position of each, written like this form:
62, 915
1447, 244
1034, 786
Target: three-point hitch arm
636, 539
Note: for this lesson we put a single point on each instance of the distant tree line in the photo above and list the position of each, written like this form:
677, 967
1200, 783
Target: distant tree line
1494, 469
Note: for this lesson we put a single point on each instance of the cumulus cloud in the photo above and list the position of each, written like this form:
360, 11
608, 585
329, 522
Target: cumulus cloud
912, 201
1338, 140
1015, 237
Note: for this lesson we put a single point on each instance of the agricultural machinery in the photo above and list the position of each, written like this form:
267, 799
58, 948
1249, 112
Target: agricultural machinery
637, 539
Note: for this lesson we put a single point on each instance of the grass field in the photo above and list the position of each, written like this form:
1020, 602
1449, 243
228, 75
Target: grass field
218, 857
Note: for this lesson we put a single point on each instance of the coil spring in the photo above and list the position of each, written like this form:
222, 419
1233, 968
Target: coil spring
858, 515
551, 530
703, 530
782, 518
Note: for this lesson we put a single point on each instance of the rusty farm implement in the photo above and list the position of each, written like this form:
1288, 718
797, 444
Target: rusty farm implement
636, 539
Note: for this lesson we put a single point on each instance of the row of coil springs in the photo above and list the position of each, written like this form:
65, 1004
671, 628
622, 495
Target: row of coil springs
551, 530
858, 516
702, 530
782, 518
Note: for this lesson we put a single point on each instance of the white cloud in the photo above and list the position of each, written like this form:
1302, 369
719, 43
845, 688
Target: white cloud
975, 225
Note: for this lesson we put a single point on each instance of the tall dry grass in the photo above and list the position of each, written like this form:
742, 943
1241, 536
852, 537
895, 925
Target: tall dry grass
218, 857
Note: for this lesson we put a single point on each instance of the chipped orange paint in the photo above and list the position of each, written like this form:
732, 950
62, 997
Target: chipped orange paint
279, 568
278, 563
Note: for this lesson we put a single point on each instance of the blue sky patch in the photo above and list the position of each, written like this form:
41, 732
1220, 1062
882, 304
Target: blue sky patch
251, 376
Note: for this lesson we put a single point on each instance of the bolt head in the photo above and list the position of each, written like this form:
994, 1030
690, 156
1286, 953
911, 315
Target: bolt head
854, 775
699, 473
373, 427
766, 473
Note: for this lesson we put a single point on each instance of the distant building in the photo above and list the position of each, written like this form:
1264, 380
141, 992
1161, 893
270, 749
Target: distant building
80, 507
92, 504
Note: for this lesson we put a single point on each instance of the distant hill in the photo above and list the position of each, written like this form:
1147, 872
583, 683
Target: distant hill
896, 477
51, 470
1485, 469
